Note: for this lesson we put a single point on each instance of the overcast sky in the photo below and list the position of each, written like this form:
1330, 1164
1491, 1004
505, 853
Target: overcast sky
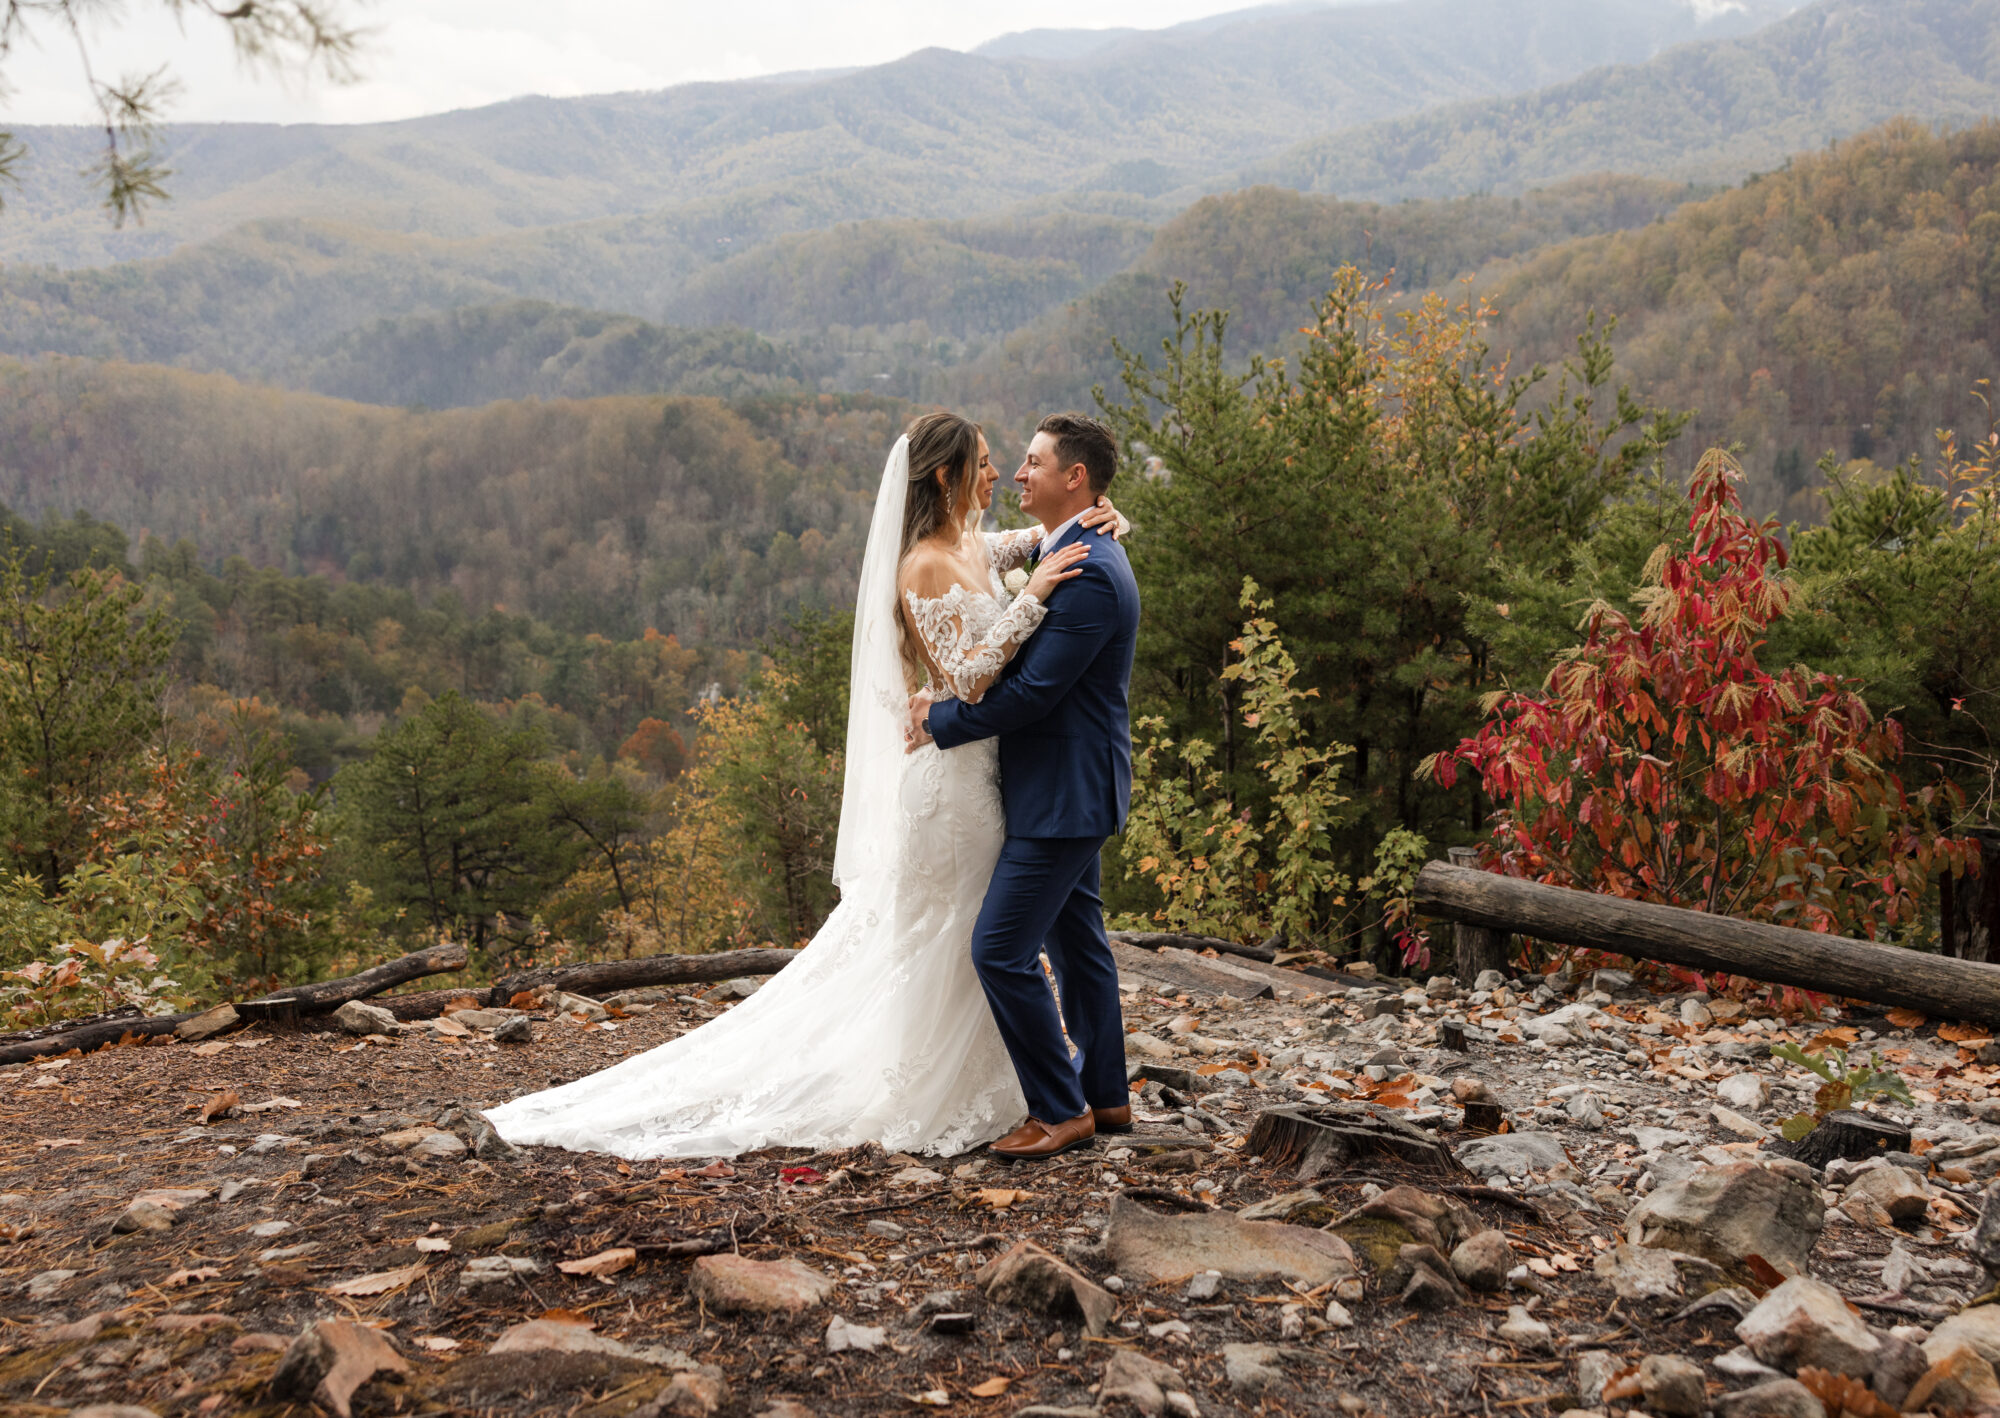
431, 55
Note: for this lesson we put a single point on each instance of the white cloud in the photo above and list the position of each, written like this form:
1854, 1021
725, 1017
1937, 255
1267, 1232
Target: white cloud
431, 55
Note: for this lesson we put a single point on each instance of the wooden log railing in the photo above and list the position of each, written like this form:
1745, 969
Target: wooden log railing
1830, 964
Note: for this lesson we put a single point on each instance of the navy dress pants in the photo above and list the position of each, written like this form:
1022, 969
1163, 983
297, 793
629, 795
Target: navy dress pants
1043, 898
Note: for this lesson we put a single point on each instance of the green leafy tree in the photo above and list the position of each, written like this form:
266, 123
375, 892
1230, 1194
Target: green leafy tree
448, 820
1368, 486
81, 667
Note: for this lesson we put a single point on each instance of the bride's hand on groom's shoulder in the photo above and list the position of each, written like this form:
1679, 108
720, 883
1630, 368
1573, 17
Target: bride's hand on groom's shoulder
1104, 516
916, 733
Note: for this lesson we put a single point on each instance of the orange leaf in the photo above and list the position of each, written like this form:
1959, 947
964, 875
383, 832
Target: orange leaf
1000, 1198
1906, 1018
992, 1388
219, 1106
184, 1277
1766, 1274
1964, 1033
380, 1282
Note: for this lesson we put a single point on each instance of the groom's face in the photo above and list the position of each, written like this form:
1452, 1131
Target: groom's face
1045, 487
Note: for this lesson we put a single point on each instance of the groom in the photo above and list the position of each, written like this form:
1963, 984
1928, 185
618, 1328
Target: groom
1059, 711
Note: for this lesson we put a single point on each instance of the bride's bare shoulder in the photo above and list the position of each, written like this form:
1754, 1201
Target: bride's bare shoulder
928, 571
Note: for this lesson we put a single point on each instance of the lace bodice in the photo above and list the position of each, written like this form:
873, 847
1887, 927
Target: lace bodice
970, 634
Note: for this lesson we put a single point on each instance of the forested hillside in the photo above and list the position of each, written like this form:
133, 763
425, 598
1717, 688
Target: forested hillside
609, 515
1710, 112
934, 133
1848, 304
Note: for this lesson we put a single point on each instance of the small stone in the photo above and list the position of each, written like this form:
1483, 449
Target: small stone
1672, 1386
516, 1030
1740, 1363
263, 1231
438, 1145
1775, 1398
1900, 1270
1805, 1321
1350, 1291
1513, 1154
1338, 1316
842, 1336
1029, 1278
1729, 1120
43, 1284
1467, 1089
1204, 1286
1141, 1242
1594, 1368
887, 1230
144, 1216
1525, 1331
1726, 1214
1902, 1194
489, 1272
1585, 1111
916, 1177
1695, 1013
691, 1395
1489, 980
1135, 1381
1959, 1381
1483, 1260
112, 1410
734, 1284
1897, 1369
1977, 1328
358, 1017
1745, 1092
1251, 1368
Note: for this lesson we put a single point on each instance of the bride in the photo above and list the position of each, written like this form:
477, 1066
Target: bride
879, 1031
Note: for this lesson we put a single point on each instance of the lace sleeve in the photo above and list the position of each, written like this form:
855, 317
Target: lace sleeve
1008, 550
969, 662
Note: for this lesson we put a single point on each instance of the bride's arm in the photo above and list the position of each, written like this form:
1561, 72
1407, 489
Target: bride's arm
934, 602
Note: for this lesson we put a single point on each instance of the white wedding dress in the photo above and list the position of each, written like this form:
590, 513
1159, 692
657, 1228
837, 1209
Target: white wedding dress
879, 1031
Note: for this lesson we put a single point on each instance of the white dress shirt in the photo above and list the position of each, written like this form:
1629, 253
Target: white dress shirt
1059, 532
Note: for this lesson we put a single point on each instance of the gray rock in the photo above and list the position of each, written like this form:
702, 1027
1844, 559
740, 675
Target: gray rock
489, 1272
1977, 1329
1729, 1213
1483, 1260
1654, 1139
735, 1284
842, 1336
516, 1030
1205, 1286
360, 1017
43, 1284
1171, 1248
1131, 1380
887, 1230
1902, 1194
471, 1127
1649, 1273
1740, 1363
1729, 1120
438, 1145
1594, 1368
1776, 1398
1695, 1013
1586, 1112
1251, 1368
1029, 1278
1525, 1331
1489, 980
1897, 1368
1513, 1154
1805, 1321
1745, 1092
1673, 1386
144, 1216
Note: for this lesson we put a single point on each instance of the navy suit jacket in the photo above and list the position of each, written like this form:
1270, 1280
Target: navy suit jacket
1060, 709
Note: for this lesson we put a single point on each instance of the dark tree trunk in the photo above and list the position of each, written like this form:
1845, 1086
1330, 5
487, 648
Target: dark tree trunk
1970, 905
1476, 948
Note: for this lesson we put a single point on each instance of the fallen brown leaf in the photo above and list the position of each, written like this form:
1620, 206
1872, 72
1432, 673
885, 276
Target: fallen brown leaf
1906, 1018
1964, 1033
48, 1142
220, 1106
1000, 1198
186, 1277
563, 1316
354, 1355
992, 1388
380, 1282
601, 1266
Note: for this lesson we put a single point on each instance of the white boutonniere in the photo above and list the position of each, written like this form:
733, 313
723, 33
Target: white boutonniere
1016, 581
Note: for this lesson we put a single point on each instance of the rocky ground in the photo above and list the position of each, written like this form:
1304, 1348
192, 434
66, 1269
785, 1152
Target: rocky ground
277, 1222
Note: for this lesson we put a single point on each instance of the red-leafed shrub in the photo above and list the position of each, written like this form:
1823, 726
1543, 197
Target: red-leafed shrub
1662, 762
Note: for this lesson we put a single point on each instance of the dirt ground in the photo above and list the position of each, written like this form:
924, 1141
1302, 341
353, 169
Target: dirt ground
313, 1172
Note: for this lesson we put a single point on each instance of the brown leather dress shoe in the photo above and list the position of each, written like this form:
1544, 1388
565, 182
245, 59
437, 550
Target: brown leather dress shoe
1035, 1140
1113, 1119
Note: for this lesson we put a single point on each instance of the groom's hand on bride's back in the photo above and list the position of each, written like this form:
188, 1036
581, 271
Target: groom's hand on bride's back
916, 731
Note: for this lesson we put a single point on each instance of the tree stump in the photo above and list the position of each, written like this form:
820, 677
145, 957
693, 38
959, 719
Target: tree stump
1848, 1134
1321, 1138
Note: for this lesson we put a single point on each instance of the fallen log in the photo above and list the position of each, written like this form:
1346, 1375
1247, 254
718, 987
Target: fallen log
97, 1033
602, 977
329, 995
1779, 955
1153, 940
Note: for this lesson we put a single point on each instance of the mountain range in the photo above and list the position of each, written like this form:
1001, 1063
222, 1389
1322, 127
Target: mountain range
935, 133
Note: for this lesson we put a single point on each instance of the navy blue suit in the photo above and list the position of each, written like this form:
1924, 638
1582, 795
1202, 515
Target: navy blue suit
1060, 712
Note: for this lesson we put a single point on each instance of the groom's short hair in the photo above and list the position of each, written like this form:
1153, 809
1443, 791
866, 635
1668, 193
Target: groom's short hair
1086, 441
